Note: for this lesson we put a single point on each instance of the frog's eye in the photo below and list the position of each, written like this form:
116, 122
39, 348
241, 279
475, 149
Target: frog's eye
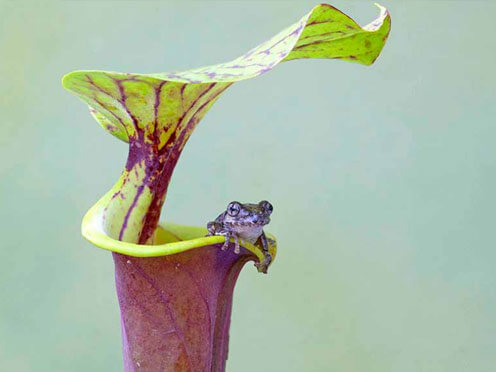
233, 208
267, 207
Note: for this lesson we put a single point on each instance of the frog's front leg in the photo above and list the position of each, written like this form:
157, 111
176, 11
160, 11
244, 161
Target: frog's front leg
229, 234
216, 228
236, 243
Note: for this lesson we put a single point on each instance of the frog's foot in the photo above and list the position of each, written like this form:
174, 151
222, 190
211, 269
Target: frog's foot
264, 265
212, 228
236, 244
227, 237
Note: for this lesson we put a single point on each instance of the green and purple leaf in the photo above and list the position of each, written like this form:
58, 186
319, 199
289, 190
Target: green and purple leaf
157, 113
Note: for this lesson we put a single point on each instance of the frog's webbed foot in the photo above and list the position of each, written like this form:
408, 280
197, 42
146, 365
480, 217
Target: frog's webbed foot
264, 265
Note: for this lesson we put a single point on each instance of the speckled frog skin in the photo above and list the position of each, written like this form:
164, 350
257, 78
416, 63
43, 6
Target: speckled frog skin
244, 222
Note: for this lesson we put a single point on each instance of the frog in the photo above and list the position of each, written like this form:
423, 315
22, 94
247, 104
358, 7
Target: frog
244, 222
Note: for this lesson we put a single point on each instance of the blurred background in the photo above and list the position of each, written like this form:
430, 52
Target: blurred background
382, 178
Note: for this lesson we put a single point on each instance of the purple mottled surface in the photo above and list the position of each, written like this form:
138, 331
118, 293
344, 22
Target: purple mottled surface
176, 310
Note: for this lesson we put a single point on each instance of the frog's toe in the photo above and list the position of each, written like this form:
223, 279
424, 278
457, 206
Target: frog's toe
226, 244
263, 266
236, 245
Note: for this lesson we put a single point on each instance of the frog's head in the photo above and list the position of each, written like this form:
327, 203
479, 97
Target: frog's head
248, 215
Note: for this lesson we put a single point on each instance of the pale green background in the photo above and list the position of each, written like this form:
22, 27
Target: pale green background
382, 178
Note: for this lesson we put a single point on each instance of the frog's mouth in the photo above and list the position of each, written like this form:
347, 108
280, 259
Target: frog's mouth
249, 223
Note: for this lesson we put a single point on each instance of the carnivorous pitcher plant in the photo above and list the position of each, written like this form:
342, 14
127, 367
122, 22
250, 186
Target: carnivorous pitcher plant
174, 283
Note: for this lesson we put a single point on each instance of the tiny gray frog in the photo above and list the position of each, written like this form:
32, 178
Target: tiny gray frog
244, 222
